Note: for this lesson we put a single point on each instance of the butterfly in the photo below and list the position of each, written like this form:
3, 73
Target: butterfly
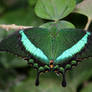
50, 50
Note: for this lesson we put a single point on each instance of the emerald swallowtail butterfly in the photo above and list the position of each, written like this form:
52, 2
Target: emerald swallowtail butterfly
50, 50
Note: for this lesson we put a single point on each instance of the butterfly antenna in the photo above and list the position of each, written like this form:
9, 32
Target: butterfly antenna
37, 79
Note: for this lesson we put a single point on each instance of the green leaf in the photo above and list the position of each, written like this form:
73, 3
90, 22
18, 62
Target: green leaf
60, 25
78, 1
32, 2
54, 9
1, 9
87, 88
85, 8
21, 17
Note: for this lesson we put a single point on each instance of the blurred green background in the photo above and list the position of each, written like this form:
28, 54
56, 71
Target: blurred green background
16, 75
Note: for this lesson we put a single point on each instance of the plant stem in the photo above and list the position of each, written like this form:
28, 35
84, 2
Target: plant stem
13, 27
88, 23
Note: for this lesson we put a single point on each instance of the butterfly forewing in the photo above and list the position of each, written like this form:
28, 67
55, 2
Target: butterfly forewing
71, 42
11, 44
46, 45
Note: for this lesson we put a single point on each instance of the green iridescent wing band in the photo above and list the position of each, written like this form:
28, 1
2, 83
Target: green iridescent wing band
29, 46
16, 43
74, 49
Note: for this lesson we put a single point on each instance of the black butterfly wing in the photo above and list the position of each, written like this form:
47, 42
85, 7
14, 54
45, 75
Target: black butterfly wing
87, 51
12, 45
36, 40
76, 44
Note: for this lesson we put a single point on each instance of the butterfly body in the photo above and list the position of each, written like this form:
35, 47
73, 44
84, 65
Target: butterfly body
49, 50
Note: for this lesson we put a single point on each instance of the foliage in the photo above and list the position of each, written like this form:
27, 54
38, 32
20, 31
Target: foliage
54, 9
85, 8
15, 74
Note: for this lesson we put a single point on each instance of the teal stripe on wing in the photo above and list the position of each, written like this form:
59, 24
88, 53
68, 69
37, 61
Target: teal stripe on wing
31, 48
74, 49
